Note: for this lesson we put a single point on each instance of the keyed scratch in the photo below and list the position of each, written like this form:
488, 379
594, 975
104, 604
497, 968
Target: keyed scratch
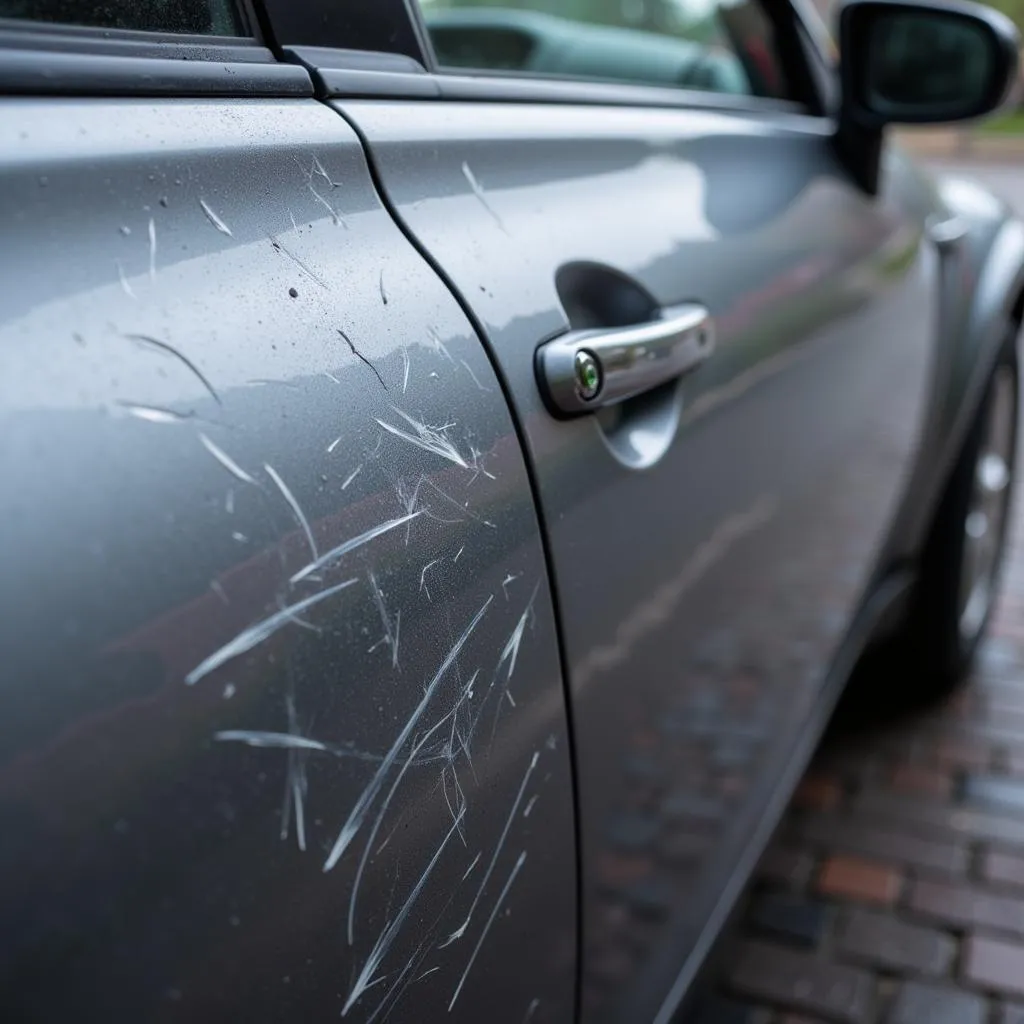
260, 631
152, 249
170, 350
387, 937
423, 578
430, 439
520, 861
359, 355
336, 554
366, 799
227, 462
293, 504
478, 191
461, 930
215, 220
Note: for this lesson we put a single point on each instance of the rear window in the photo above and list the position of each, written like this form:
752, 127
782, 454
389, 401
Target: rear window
184, 17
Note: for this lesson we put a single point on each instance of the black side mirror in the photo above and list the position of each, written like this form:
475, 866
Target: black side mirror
917, 62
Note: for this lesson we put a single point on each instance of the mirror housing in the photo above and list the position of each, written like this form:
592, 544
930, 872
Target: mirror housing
917, 62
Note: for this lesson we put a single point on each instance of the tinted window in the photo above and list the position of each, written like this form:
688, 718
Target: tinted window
716, 45
193, 17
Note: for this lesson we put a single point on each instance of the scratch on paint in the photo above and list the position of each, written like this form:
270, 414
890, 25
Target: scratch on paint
296, 784
529, 805
405, 369
335, 554
469, 870
390, 634
383, 290
478, 191
227, 462
215, 220
170, 350
423, 578
461, 930
458, 554
430, 439
335, 216
152, 249
510, 652
418, 745
359, 355
272, 740
154, 413
125, 286
260, 631
334, 444
362, 806
476, 380
318, 168
520, 861
510, 578
439, 345
300, 516
280, 247
384, 941
355, 472
531, 1010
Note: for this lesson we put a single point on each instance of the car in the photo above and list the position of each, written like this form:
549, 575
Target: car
443, 503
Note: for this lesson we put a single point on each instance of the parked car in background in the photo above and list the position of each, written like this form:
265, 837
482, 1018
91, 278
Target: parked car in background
452, 461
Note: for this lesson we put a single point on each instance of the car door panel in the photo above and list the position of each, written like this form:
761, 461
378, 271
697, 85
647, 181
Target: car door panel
284, 734
711, 542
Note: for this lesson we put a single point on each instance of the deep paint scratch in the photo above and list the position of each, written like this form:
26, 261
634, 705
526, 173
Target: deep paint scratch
152, 249
260, 631
478, 191
125, 286
461, 930
430, 439
359, 355
170, 350
303, 266
476, 380
355, 472
226, 461
293, 504
423, 578
487, 927
387, 937
215, 220
362, 806
155, 413
335, 554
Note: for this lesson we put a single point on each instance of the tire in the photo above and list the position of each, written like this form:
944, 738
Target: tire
961, 562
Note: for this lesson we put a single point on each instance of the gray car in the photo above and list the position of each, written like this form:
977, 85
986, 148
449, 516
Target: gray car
452, 461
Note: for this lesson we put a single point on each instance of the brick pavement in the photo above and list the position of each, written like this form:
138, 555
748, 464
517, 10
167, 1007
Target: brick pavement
894, 890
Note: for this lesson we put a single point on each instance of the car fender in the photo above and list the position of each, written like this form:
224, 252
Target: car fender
981, 290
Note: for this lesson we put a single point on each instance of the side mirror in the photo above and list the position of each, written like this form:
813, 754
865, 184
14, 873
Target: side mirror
917, 62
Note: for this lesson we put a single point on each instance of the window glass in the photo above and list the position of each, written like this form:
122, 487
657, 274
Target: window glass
193, 17
717, 45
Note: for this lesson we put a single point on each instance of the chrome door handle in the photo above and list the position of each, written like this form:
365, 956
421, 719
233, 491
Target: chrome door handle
583, 370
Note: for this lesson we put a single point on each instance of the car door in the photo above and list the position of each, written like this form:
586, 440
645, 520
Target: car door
715, 536
283, 734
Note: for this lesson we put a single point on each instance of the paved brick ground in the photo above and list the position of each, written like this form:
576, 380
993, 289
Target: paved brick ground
894, 892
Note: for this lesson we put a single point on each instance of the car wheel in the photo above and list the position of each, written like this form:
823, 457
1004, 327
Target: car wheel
960, 567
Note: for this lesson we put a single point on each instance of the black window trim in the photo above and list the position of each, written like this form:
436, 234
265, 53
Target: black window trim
44, 58
407, 69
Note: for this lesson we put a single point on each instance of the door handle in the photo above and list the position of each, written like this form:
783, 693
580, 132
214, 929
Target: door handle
584, 370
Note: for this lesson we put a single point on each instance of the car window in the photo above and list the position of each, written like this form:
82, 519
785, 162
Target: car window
724, 46
192, 17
